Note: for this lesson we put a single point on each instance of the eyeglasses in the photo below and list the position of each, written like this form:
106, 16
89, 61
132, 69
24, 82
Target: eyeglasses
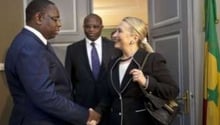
55, 19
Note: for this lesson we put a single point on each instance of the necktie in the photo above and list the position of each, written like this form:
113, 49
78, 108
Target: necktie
95, 61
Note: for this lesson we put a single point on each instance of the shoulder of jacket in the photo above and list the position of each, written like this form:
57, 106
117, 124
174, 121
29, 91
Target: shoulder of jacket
157, 57
76, 44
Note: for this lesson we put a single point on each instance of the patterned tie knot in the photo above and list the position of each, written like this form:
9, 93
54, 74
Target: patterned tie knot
92, 44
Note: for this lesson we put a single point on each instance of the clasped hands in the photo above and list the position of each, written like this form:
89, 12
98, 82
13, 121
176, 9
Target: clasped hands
94, 117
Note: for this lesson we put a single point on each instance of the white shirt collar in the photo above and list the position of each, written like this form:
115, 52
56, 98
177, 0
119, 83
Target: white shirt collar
37, 33
98, 45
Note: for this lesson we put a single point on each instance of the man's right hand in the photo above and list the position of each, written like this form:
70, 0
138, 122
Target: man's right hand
94, 117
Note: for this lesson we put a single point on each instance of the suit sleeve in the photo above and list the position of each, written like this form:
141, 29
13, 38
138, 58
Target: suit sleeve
161, 82
34, 74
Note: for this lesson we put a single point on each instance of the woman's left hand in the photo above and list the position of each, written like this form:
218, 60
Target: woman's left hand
139, 77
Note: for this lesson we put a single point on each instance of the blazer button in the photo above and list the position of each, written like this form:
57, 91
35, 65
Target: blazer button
120, 113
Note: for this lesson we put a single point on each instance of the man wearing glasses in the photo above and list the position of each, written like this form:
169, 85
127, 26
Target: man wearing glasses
39, 84
87, 61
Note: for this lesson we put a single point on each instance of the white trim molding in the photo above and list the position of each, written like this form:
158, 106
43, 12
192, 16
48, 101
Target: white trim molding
168, 21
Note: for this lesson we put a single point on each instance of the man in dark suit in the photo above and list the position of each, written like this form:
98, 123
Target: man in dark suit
39, 84
89, 79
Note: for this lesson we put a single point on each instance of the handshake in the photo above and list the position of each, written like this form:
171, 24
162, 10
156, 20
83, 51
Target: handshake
94, 117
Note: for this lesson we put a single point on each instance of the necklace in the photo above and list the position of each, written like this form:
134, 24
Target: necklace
126, 59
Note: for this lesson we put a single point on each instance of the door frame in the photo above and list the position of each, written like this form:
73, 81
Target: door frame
196, 55
195, 39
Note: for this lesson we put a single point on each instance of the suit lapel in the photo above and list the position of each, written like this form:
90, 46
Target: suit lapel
51, 50
114, 76
104, 53
135, 63
85, 58
127, 77
105, 56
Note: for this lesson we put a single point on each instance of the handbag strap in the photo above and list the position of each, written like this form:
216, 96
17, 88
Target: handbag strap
157, 102
141, 68
171, 103
145, 60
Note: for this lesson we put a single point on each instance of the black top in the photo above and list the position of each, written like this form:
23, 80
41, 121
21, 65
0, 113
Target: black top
127, 101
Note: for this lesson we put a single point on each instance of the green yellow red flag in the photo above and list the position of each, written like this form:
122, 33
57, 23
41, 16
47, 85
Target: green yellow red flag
211, 102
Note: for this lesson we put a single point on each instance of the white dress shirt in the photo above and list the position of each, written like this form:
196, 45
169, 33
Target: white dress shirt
37, 33
98, 45
123, 66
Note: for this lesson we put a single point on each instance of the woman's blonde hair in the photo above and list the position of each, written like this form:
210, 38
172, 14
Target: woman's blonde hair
139, 28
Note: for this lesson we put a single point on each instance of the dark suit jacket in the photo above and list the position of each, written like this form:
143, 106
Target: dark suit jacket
39, 85
87, 90
127, 101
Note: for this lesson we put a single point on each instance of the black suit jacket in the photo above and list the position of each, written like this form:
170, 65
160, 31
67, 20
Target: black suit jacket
87, 90
39, 85
127, 101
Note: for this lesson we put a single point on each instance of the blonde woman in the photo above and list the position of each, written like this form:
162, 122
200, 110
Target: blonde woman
125, 98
